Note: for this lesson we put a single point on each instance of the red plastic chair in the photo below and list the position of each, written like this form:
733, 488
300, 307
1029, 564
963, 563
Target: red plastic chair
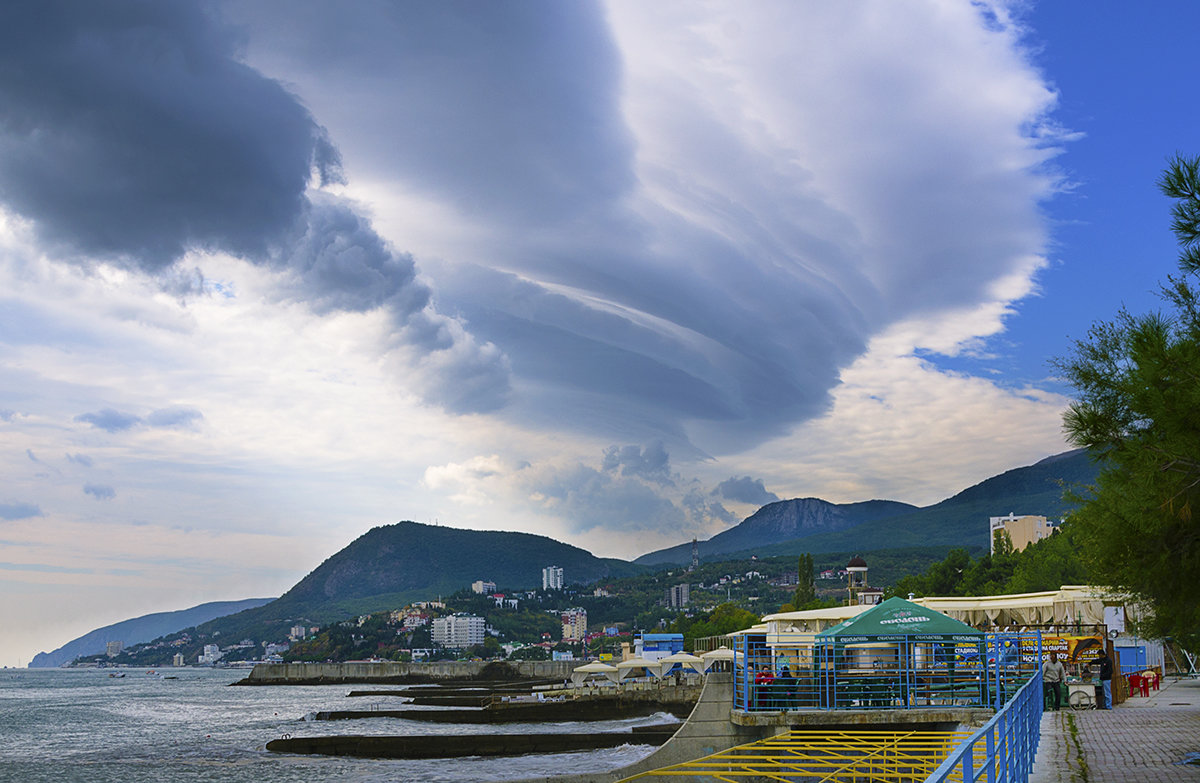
1136, 686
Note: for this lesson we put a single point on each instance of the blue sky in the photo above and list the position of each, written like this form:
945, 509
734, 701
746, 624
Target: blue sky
274, 273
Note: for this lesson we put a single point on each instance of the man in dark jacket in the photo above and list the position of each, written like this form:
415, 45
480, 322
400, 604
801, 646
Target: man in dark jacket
1106, 672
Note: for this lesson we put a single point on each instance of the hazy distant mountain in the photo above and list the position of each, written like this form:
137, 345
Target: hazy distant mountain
389, 566
141, 629
782, 521
961, 520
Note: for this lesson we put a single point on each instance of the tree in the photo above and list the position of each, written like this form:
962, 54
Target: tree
1138, 409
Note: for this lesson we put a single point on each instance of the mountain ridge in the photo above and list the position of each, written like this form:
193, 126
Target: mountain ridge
1033, 489
142, 629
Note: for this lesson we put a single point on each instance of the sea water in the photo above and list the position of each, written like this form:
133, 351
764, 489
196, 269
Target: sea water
83, 725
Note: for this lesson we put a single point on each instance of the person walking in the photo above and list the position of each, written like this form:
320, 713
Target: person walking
1054, 674
1106, 671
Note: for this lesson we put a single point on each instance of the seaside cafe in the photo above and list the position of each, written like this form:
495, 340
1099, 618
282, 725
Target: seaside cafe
897, 651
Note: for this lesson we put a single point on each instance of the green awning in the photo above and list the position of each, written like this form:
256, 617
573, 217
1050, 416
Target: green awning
895, 620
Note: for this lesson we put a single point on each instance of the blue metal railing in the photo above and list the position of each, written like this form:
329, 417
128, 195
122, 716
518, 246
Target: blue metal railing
1004, 749
792, 671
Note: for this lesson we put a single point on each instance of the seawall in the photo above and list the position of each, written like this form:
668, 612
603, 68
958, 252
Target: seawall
395, 672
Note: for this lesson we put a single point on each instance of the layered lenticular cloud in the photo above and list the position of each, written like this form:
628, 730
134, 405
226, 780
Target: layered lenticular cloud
682, 220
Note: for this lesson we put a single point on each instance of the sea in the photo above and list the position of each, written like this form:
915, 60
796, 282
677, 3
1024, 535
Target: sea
184, 725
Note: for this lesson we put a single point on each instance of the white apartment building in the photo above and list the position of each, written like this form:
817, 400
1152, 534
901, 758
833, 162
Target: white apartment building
212, 653
458, 630
483, 587
574, 625
552, 578
1022, 530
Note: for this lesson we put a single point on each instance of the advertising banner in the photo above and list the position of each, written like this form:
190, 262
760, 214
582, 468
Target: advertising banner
1070, 649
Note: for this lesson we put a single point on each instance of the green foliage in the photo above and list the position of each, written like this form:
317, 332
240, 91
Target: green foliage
1138, 385
724, 619
1044, 565
1181, 181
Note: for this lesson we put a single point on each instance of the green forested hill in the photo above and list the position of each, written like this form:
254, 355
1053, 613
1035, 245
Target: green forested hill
391, 565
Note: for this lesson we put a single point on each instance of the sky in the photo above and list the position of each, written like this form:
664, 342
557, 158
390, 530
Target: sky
274, 273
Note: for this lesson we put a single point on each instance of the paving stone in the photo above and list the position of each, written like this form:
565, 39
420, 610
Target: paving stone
1139, 741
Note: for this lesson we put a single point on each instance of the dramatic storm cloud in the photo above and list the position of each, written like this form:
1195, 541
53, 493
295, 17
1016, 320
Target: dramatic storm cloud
671, 227
132, 135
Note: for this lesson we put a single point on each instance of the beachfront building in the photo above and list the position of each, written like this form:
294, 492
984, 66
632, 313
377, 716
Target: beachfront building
212, 653
552, 578
574, 625
458, 630
1021, 530
113, 649
655, 646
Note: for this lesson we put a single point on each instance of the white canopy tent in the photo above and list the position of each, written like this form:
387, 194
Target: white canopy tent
685, 660
595, 669
630, 667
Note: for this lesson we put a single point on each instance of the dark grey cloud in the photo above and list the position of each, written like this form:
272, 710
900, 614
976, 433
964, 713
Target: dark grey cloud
652, 463
745, 490
14, 511
100, 491
110, 420
80, 459
132, 132
174, 418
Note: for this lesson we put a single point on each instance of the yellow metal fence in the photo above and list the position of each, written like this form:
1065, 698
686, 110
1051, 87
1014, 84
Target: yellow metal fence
826, 756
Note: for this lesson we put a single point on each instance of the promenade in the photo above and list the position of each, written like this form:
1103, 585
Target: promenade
1140, 741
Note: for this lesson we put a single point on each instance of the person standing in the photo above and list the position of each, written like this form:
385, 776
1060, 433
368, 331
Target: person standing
1054, 674
1106, 671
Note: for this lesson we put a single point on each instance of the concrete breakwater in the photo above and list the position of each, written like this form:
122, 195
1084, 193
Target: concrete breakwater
677, 700
435, 746
397, 673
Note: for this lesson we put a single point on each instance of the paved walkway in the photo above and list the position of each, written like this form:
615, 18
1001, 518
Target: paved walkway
1139, 741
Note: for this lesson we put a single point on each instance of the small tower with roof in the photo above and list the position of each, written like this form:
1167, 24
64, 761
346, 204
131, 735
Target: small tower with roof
856, 578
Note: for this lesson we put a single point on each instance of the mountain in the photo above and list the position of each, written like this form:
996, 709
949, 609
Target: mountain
391, 565
958, 521
782, 521
141, 629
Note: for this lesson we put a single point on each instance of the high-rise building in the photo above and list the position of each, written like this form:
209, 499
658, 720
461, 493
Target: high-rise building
677, 596
574, 625
552, 578
177, 660
458, 630
113, 649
